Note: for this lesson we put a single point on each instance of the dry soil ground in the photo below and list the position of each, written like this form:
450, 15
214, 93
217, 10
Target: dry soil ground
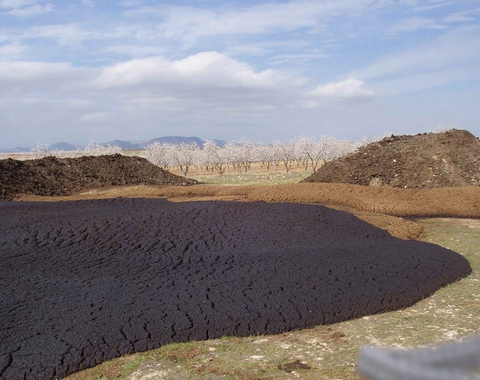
460, 202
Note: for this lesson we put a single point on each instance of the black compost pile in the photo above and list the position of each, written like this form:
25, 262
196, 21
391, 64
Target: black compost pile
51, 176
84, 282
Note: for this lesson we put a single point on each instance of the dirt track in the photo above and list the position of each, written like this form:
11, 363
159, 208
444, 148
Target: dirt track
88, 281
460, 202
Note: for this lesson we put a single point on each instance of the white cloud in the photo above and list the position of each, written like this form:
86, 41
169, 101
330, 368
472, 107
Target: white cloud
136, 50
65, 34
15, 3
450, 50
263, 48
428, 80
414, 23
210, 79
25, 70
190, 23
457, 18
350, 88
152, 101
12, 51
202, 69
26, 77
5, 37
131, 3
464, 16
246, 50
74, 33
88, 3
95, 116
281, 59
431, 4
452, 58
20, 11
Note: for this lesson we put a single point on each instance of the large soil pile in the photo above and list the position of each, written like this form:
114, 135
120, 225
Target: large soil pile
430, 160
84, 282
54, 176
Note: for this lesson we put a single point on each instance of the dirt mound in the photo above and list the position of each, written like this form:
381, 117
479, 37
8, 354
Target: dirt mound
459, 202
84, 282
430, 160
54, 176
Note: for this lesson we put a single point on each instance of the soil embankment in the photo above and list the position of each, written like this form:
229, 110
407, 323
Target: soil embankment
84, 282
52, 176
423, 161
456, 202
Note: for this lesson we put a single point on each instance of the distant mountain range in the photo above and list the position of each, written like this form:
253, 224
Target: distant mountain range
140, 144
18, 149
62, 146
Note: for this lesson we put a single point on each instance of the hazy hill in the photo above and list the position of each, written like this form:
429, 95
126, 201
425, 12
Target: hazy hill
62, 146
175, 140
123, 144
138, 144
17, 149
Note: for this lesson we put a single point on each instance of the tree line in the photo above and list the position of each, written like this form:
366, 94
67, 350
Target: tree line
308, 153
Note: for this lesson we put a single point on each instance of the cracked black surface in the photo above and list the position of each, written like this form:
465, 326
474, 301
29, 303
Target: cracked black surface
84, 282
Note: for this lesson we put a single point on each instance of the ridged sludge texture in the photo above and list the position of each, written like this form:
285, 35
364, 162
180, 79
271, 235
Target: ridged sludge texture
84, 282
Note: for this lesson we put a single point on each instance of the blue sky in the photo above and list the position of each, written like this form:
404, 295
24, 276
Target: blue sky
98, 70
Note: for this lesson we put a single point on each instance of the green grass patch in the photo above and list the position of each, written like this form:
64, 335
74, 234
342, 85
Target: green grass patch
253, 179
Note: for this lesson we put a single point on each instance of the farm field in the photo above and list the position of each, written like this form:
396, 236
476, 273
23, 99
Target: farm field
256, 175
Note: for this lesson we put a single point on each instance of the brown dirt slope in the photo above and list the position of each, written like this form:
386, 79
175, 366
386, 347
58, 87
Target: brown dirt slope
432, 160
53, 176
458, 202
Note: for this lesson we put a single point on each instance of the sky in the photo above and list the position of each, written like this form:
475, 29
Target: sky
100, 70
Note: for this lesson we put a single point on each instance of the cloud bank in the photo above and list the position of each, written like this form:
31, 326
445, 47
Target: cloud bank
90, 70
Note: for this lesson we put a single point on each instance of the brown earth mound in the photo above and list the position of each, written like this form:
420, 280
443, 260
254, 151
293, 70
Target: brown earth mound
54, 176
430, 160
84, 282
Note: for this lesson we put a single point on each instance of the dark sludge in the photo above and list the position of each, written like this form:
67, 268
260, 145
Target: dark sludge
84, 282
